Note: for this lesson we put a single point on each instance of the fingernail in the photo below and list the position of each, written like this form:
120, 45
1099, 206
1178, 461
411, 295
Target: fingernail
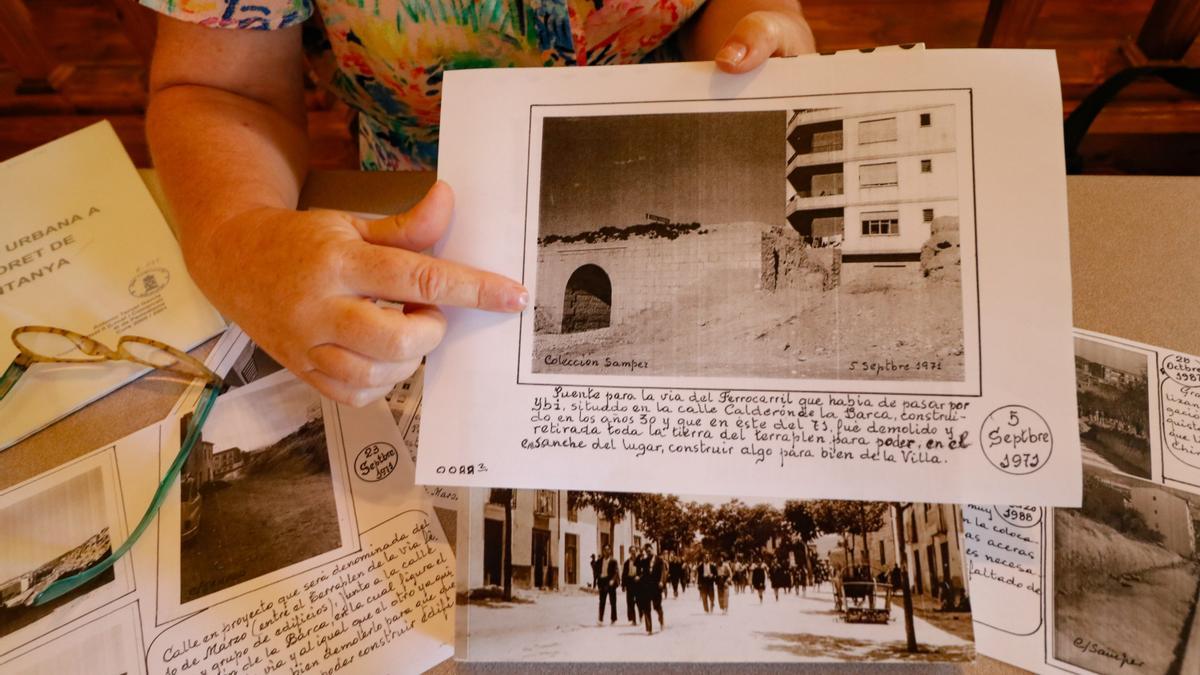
732, 53
518, 298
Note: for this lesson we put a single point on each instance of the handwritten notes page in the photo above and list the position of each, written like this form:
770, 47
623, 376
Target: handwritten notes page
1113, 586
86, 248
295, 542
812, 281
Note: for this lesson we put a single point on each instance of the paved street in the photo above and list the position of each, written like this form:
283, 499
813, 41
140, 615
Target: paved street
561, 626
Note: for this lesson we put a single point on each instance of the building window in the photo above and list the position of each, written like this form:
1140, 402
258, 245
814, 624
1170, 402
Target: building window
882, 558
497, 495
926, 119
827, 141
877, 175
927, 166
927, 215
544, 505
877, 131
880, 223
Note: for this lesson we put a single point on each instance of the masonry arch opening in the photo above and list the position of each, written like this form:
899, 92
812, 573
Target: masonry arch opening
587, 302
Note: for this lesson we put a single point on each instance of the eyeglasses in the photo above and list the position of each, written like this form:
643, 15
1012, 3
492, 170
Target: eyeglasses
43, 344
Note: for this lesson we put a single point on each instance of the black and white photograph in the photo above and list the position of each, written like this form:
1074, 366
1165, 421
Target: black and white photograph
804, 243
1113, 394
557, 575
1127, 578
58, 526
257, 493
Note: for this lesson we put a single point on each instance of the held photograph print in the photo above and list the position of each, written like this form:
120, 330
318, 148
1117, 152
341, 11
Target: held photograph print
558, 575
807, 243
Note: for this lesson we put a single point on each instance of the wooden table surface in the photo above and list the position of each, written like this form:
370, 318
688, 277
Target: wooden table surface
1134, 272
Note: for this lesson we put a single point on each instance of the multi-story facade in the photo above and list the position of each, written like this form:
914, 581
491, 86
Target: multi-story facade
552, 544
1168, 515
932, 535
872, 182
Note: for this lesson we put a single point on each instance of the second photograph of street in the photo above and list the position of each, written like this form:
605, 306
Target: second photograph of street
557, 575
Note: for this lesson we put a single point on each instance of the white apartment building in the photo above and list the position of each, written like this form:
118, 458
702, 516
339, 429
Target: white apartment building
871, 181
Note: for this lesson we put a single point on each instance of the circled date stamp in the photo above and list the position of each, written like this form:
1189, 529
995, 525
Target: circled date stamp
376, 462
1019, 516
1016, 439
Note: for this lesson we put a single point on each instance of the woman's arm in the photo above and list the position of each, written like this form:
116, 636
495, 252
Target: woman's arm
741, 34
227, 118
227, 132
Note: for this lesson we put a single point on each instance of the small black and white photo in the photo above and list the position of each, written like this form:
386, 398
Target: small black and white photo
51, 529
1127, 577
257, 493
804, 243
566, 575
1113, 394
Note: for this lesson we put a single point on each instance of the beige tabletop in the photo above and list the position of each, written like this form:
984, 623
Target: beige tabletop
1134, 273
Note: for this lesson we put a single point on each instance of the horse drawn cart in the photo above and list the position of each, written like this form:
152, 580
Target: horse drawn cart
866, 602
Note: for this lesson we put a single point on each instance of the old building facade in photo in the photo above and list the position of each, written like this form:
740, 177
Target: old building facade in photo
873, 182
932, 539
552, 545
1167, 514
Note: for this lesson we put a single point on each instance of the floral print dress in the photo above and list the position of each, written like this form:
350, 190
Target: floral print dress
386, 58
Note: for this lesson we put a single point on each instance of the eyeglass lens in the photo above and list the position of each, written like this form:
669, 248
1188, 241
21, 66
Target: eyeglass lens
60, 347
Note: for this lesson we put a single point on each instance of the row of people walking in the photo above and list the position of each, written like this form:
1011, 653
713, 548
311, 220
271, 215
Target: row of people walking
645, 576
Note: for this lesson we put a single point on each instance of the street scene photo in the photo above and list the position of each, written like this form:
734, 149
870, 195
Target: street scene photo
1113, 394
257, 494
799, 243
1127, 578
555, 575
52, 534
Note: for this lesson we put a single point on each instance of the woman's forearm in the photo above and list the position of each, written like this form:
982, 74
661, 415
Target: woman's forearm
218, 155
223, 146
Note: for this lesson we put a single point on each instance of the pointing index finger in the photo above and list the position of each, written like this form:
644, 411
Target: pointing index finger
404, 276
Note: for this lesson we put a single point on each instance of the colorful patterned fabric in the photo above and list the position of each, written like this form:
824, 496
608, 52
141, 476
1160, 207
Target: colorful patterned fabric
386, 58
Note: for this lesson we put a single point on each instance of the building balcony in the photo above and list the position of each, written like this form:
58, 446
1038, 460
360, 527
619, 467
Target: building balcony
806, 201
816, 143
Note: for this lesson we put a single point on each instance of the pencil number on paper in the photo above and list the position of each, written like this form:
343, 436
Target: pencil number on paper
461, 469
1016, 439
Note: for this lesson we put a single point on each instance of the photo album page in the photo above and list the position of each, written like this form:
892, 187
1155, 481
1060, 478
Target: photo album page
294, 541
1114, 585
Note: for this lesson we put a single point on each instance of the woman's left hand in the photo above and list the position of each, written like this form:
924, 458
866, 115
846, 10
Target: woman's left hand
742, 34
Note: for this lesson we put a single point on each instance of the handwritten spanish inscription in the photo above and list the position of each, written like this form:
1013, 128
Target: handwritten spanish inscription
1181, 407
764, 428
344, 614
1003, 546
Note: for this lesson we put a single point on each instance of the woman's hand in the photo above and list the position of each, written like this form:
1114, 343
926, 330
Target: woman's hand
742, 34
303, 284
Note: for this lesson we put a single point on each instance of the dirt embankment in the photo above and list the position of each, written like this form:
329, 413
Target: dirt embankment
1104, 579
798, 332
941, 256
